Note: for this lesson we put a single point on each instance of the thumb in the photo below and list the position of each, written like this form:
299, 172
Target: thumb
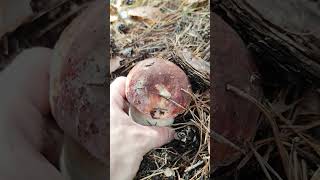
160, 136
117, 93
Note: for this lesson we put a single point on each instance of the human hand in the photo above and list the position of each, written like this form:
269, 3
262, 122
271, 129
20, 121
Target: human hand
130, 141
23, 128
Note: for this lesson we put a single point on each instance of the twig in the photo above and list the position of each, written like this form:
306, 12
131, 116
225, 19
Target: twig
275, 129
264, 165
158, 173
62, 19
314, 146
224, 140
193, 166
39, 15
261, 162
169, 99
244, 160
304, 170
316, 175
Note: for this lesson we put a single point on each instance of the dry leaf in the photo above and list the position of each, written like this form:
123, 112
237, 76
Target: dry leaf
115, 63
113, 19
13, 13
113, 14
117, 3
147, 14
113, 10
195, 2
196, 62
127, 4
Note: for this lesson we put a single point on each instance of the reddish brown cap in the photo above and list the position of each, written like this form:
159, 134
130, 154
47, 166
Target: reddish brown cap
77, 92
155, 87
233, 117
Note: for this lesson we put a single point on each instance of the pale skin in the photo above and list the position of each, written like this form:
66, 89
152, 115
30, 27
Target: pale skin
24, 100
130, 141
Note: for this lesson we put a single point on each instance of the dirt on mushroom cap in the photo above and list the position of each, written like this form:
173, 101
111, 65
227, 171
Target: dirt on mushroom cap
77, 91
157, 87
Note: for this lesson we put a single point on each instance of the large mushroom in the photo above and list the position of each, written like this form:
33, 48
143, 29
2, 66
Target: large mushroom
78, 94
157, 91
234, 118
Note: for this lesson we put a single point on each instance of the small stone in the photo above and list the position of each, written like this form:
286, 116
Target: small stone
129, 2
169, 172
127, 52
122, 27
181, 136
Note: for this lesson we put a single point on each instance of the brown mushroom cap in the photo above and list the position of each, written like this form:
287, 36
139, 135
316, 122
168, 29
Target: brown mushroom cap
154, 87
234, 117
78, 73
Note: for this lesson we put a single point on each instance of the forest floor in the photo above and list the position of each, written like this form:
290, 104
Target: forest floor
178, 31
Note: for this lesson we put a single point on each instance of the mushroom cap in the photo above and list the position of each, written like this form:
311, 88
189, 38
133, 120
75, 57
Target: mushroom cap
78, 73
233, 117
155, 87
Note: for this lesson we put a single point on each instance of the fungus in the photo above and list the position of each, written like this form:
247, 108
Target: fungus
156, 90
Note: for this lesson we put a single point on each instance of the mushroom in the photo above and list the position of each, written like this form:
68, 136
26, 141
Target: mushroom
78, 94
233, 117
157, 91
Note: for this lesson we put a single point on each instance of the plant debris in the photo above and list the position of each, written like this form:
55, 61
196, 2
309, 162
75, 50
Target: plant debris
115, 63
172, 27
286, 145
41, 26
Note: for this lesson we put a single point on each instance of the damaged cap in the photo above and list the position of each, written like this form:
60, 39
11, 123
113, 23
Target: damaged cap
156, 90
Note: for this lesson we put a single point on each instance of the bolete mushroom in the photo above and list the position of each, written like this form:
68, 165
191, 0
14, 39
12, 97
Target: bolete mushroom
157, 91
234, 118
78, 94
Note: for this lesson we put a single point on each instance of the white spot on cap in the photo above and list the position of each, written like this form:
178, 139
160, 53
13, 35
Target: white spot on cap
163, 91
